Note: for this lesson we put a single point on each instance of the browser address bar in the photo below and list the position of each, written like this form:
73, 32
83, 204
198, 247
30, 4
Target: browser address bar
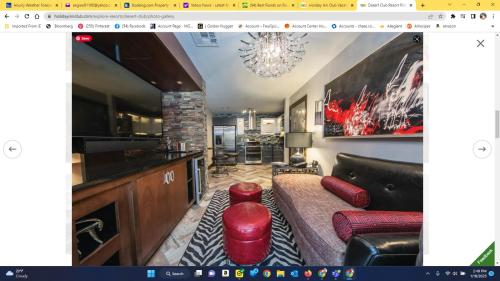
248, 16
109, 16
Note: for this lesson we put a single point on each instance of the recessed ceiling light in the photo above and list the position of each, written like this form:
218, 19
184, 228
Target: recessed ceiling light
153, 82
179, 82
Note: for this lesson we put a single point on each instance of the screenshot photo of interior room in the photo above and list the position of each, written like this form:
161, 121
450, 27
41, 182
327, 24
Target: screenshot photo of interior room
344, 140
263, 107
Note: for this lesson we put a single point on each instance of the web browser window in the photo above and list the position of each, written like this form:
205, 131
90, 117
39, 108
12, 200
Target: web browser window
239, 140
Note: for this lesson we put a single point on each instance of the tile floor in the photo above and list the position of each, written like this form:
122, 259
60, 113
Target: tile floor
172, 249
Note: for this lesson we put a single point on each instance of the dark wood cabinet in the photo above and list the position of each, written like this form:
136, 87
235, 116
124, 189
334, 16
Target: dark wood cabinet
139, 212
107, 213
177, 196
151, 213
160, 201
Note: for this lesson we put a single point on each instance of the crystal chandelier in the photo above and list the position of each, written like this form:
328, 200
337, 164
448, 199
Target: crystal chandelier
272, 54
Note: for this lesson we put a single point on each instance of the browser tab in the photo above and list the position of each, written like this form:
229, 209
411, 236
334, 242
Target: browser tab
373, 5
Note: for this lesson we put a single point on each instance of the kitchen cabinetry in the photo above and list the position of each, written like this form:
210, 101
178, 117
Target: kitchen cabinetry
150, 198
278, 153
272, 153
160, 201
131, 216
241, 154
224, 121
104, 214
271, 126
268, 126
267, 153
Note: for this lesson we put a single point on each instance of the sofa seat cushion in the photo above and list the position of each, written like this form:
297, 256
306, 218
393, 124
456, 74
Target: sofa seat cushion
309, 208
350, 223
354, 195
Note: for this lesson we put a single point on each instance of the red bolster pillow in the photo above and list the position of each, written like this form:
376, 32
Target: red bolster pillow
349, 223
354, 195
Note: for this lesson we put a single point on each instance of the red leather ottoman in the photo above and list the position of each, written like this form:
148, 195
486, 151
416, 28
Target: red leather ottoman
247, 232
245, 191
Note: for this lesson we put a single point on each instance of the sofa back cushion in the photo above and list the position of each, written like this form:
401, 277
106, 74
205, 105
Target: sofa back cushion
354, 195
393, 185
350, 223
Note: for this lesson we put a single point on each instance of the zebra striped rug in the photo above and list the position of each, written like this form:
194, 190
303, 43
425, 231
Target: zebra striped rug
206, 246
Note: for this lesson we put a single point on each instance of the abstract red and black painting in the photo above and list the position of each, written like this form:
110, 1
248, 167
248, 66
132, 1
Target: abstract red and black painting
380, 96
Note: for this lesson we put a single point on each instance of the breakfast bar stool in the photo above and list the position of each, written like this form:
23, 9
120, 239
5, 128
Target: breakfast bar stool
232, 160
220, 166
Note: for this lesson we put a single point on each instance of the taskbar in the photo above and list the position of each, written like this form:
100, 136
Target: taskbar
229, 273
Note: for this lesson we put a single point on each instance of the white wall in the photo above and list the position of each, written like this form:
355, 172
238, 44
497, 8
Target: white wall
286, 123
324, 150
209, 136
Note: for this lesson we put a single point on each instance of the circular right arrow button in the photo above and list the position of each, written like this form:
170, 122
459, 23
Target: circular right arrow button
482, 149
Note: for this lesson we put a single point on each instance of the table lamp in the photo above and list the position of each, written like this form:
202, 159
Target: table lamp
300, 141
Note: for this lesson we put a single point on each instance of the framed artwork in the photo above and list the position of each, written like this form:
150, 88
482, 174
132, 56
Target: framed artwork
318, 112
298, 119
298, 115
382, 96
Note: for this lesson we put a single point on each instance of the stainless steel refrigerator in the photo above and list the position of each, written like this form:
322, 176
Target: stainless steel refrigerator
224, 138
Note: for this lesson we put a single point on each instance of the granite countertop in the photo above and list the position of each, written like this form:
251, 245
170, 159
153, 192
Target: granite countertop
109, 172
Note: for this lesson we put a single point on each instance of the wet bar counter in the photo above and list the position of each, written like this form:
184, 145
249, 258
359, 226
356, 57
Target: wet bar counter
124, 210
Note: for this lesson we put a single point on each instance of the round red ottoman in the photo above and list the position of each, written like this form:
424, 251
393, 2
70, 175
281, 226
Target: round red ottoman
244, 191
247, 232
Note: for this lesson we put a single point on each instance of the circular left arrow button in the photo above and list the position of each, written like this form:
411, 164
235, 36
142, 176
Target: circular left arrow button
12, 149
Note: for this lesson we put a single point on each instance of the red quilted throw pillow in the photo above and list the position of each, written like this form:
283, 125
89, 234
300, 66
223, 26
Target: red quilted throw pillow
349, 223
354, 195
